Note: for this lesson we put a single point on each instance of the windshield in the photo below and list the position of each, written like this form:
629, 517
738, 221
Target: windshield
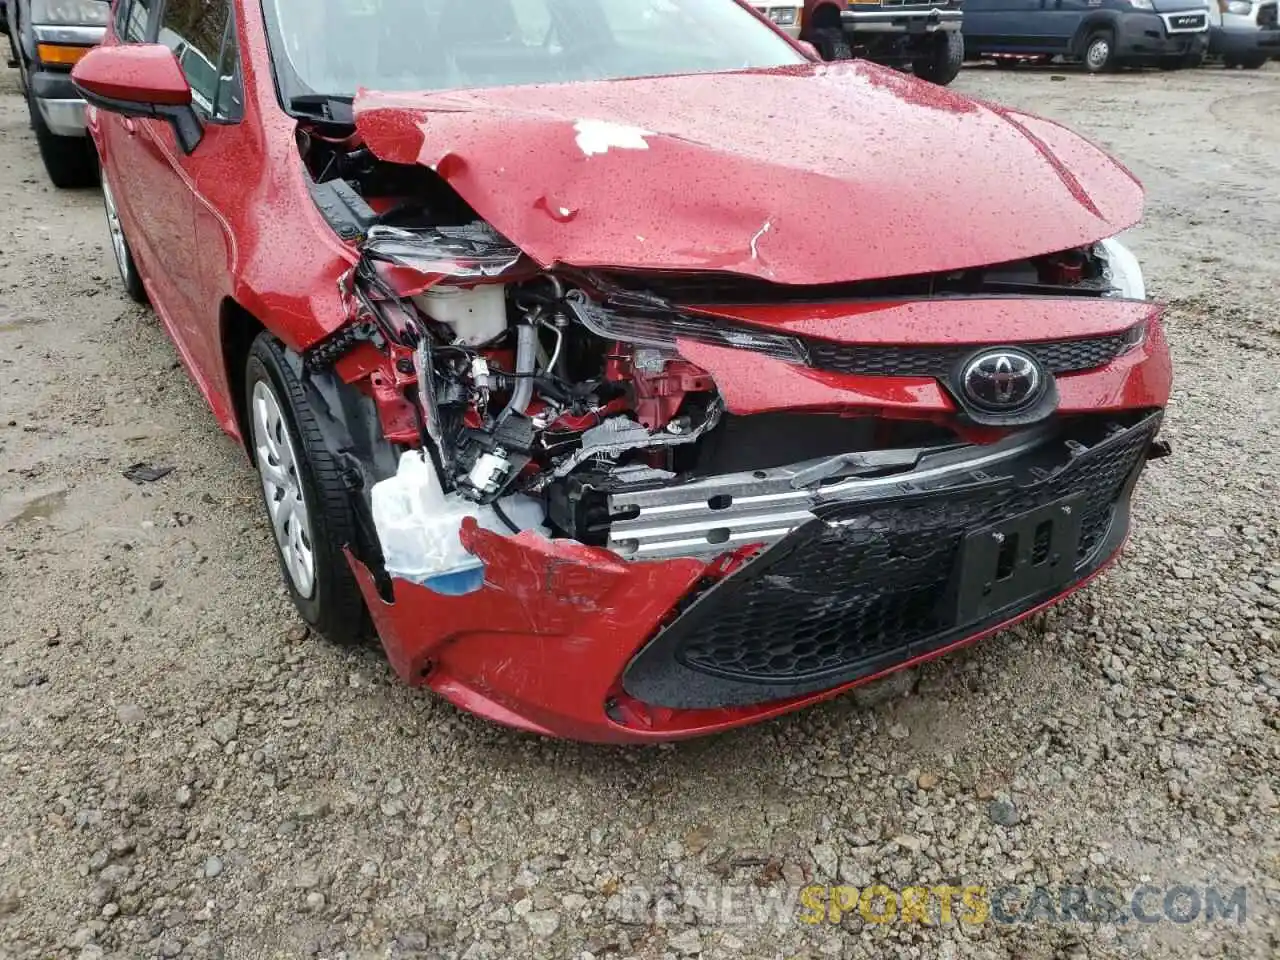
331, 48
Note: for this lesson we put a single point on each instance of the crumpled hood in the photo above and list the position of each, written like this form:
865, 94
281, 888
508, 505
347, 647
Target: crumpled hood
818, 173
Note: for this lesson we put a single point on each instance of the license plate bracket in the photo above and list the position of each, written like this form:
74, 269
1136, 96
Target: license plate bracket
1018, 558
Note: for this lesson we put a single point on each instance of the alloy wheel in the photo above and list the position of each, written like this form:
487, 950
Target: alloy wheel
118, 244
286, 498
1099, 53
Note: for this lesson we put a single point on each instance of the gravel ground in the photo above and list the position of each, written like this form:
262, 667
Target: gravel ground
184, 772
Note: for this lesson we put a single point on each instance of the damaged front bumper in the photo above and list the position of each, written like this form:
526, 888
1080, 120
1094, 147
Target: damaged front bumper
864, 576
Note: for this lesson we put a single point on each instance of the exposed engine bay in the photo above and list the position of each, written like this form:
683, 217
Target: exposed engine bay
567, 388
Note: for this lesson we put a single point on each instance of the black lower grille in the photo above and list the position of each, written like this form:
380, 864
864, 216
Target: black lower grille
870, 584
1058, 356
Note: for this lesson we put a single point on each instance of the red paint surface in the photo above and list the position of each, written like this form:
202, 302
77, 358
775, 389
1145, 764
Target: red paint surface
551, 670
753, 383
658, 396
975, 320
889, 177
145, 73
735, 178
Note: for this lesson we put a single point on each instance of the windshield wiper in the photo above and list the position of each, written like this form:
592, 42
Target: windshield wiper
323, 106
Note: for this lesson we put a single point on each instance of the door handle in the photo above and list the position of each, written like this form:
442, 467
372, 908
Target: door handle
130, 127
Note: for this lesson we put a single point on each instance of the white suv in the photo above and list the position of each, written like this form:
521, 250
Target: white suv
1244, 33
785, 16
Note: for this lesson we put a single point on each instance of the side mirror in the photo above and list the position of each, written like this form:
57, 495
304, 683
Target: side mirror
140, 80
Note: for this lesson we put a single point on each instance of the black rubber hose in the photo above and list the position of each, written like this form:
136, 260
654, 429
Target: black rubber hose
504, 518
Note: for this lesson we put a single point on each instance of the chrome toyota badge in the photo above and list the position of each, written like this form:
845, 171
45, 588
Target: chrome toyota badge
1002, 381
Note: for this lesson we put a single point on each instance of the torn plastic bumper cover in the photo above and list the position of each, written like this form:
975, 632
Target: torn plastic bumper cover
911, 566
599, 648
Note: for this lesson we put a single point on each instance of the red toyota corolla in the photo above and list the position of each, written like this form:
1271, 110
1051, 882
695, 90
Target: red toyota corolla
637, 375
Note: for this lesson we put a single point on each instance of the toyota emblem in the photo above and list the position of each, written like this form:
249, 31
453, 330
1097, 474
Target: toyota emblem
1002, 381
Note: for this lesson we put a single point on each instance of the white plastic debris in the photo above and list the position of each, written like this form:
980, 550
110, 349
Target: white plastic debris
419, 527
601, 136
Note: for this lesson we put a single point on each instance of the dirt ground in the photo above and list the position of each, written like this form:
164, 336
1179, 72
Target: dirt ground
183, 772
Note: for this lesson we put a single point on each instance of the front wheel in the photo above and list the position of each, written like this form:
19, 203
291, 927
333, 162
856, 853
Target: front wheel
942, 63
1253, 63
69, 161
307, 502
120, 247
832, 44
1188, 61
13, 49
1099, 52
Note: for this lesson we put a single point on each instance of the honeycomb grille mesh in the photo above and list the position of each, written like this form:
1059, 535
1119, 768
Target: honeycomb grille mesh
879, 580
1058, 356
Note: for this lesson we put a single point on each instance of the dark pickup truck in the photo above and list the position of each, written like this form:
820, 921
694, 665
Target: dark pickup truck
924, 36
46, 40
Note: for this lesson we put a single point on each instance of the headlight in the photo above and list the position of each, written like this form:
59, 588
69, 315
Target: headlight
1142, 4
664, 330
80, 13
783, 16
1122, 270
1237, 6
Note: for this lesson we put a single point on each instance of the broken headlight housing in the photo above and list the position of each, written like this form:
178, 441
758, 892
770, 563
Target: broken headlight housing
663, 329
1122, 269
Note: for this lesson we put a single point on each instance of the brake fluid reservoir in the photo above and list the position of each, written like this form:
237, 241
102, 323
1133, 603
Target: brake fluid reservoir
476, 314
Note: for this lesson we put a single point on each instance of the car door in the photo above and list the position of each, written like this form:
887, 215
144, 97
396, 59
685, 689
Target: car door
214, 189
983, 24
195, 30
133, 168
1062, 19
1005, 26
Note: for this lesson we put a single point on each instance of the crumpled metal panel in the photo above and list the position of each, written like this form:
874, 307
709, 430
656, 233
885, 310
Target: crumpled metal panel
807, 174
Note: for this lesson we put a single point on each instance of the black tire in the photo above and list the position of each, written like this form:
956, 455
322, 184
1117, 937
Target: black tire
69, 161
1254, 63
944, 59
335, 607
1099, 53
832, 44
1188, 61
123, 253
